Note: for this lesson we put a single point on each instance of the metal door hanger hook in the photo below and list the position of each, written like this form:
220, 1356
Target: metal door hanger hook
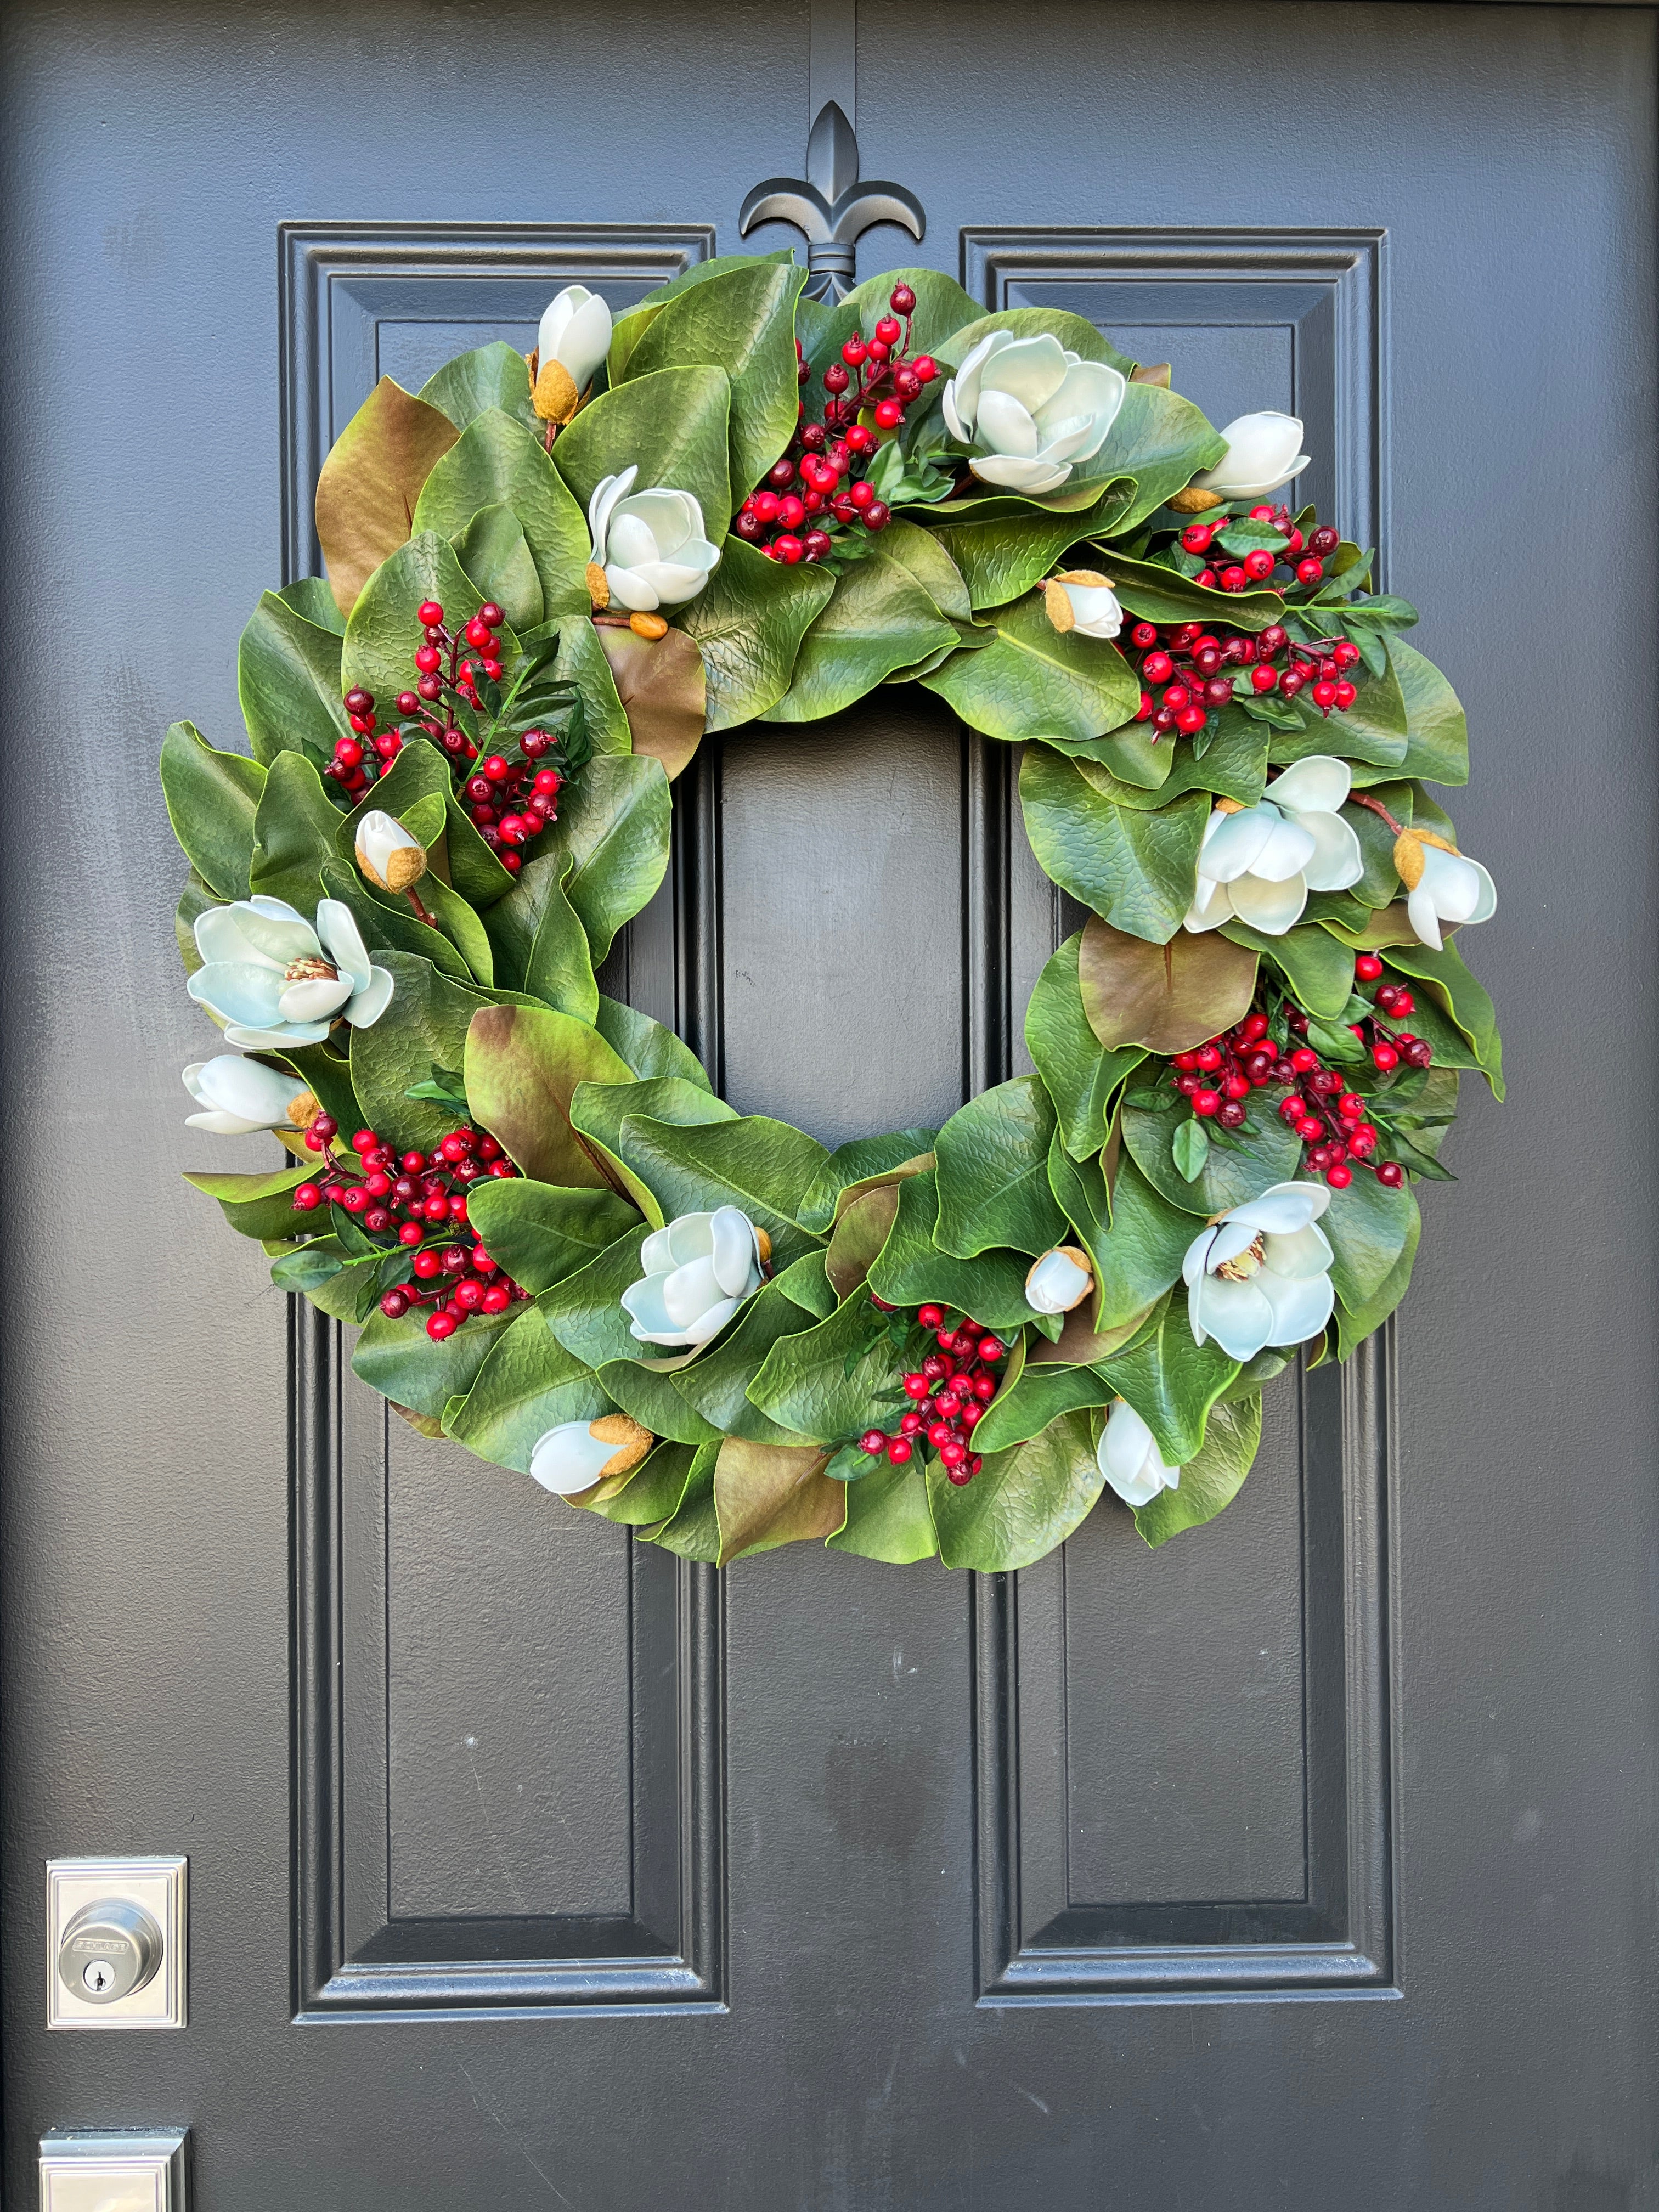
829, 207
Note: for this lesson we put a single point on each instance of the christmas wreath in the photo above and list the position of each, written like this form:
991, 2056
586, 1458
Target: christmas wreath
547, 578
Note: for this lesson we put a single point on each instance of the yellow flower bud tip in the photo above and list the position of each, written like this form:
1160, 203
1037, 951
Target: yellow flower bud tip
389, 857
1230, 807
598, 590
1193, 501
554, 397
1157, 372
632, 1443
303, 1111
1408, 859
644, 625
763, 1246
1092, 577
1057, 604
1440, 844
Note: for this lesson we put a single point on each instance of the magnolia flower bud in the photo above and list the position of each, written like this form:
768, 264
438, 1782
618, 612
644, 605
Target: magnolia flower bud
1442, 884
239, 1097
578, 1454
387, 855
1083, 601
1058, 1281
574, 338
1128, 1456
1261, 456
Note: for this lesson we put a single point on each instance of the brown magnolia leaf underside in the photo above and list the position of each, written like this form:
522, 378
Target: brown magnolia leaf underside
660, 683
770, 1494
859, 1236
523, 1064
1081, 1345
370, 482
1168, 998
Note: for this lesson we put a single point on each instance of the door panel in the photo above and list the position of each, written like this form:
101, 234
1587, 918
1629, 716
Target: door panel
529, 1865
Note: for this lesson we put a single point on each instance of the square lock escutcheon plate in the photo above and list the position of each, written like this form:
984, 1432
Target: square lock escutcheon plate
149, 1894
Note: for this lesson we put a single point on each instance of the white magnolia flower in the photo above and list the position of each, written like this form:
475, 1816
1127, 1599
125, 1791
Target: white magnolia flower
574, 338
698, 1271
1441, 886
1031, 408
578, 1454
649, 543
1259, 862
391, 859
1260, 1275
1261, 455
1129, 1459
1058, 1281
241, 1096
276, 981
1082, 601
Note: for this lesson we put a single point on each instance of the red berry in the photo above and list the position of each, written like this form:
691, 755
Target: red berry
874, 1442
1191, 719
1157, 668
1207, 1102
1384, 1056
478, 634
889, 414
1310, 571
1338, 1175
1391, 1174
766, 506
428, 659
991, 1348
916, 1386
1304, 1058
441, 1325
1234, 579
1324, 539
1196, 537
888, 331
1362, 1141
1263, 678
925, 367
791, 513
1368, 967
308, 1197
394, 1304
985, 1387
430, 614
1345, 694
902, 300
1272, 640
1259, 562
1204, 579
496, 1298
930, 1316
1237, 1086
899, 1450
1144, 635
782, 474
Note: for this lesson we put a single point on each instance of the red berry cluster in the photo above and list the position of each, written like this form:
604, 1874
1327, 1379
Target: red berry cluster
1333, 1121
1305, 560
1200, 670
819, 486
512, 795
417, 1200
949, 1396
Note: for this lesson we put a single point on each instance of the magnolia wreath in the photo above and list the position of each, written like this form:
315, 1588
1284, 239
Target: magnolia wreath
546, 578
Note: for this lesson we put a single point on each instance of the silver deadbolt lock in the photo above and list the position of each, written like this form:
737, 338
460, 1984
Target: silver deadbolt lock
108, 1950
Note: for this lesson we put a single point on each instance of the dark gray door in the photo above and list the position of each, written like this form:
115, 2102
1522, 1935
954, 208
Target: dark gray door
1306, 1862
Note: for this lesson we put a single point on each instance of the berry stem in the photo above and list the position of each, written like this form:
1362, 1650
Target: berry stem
1376, 805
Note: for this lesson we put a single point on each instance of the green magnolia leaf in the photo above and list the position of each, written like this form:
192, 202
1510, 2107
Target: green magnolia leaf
912, 1270
1172, 1381
888, 1517
471, 385
858, 1166
584, 1309
763, 1166
1075, 333
924, 555
1153, 593
1162, 441
1164, 997
522, 1066
211, 798
879, 619
654, 1492
1319, 970
1266, 1151
295, 833
1079, 1074
1031, 681
1437, 730
493, 551
1002, 556
649, 1047
560, 969
1368, 1228
259, 1205
600, 1111
715, 1384
1448, 982
500, 461
743, 322
648, 1394
1022, 1503
528, 1384
1137, 871
1210, 1481
542, 1232
861, 1229
383, 631
1373, 729
613, 829
400, 1360
424, 1027
388, 925
581, 661
287, 678
766, 1495
672, 426
367, 488
832, 1382
194, 901
993, 1175
1354, 1323
748, 622
693, 1531
313, 601
1139, 1257
1040, 1396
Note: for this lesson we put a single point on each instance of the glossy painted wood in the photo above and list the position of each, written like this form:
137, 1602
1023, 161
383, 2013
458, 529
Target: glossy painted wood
1306, 1862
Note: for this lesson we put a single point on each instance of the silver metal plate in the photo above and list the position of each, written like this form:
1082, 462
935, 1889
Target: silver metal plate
121, 2172
158, 1886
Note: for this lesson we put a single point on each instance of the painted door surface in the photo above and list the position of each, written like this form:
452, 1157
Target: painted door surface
1305, 1863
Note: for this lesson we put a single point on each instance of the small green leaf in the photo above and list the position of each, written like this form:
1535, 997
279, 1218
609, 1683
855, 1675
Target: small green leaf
649, 1047
259, 1205
1190, 1148
748, 622
489, 376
